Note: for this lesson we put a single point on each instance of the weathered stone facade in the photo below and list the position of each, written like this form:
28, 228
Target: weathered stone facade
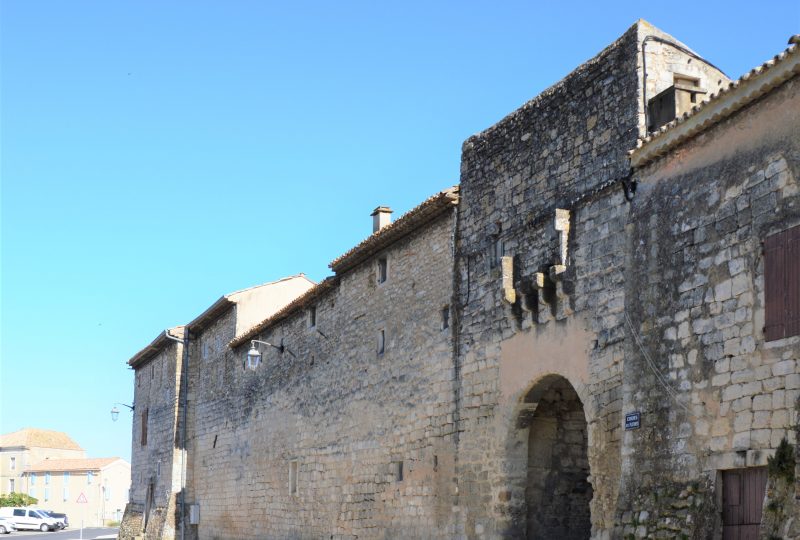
468, 369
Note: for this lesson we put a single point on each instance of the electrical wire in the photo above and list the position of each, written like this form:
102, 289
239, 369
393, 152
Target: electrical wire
659, 376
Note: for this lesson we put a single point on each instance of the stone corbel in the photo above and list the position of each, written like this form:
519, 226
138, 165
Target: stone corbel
557, 271
543, 308
507, 267
562, 226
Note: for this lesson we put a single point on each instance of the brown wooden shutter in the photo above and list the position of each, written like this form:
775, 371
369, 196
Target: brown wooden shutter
782, 284
144, 426
792, 327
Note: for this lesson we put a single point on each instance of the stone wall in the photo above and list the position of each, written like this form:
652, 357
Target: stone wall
158, 462
370, 434
695, 297
556, 150
574, 298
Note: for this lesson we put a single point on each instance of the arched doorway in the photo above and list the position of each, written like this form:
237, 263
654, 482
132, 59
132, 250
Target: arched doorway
557, 488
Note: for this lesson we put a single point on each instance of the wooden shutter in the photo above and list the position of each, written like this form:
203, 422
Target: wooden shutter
144, 426
782, 284
792, 327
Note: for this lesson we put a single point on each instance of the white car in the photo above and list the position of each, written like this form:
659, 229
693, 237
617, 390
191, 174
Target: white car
6, 526
30, 518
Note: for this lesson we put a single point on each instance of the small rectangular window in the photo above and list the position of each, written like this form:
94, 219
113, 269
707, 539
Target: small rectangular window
382, 270
312, 316
398, 471
293, 478
381, 341
47, 478
144, 427
445, 317
13, 463
11, 486
89, 477
46, 493
33, 479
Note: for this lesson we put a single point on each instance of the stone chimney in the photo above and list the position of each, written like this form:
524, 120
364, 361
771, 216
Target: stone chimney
381, 217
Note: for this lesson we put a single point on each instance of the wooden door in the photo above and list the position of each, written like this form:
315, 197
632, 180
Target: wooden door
742, 501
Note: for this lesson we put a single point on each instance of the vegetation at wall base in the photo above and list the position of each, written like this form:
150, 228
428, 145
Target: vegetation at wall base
781, 465
17, 499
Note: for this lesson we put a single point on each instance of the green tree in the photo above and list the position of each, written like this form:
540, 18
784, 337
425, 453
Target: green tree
17, 499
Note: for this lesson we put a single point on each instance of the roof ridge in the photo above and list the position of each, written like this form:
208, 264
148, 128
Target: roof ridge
286, 278
449, 195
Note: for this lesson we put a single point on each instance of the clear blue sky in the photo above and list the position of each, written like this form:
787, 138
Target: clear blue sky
156, 155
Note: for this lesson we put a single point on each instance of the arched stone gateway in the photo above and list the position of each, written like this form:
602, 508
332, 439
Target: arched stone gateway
557, 488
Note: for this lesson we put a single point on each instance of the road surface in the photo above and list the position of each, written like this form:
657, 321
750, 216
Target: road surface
70, 533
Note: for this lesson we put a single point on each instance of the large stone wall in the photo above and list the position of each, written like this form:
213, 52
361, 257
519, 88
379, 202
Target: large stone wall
574, 298
564, 150
555, 150
158, 462
370, 433
695, 297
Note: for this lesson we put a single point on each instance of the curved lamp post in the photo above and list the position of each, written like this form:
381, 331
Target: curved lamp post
115, 411
254, 355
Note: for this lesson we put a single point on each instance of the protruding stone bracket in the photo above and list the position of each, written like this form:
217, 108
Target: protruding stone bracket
507, 267
562, 226
543, 312
563, 309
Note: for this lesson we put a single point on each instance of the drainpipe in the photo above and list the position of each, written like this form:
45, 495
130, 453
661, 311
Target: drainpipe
184, 404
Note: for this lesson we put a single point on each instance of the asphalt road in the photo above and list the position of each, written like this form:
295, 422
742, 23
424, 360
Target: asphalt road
71, 533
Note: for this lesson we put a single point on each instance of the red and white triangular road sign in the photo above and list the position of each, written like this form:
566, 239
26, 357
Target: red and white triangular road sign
82, 499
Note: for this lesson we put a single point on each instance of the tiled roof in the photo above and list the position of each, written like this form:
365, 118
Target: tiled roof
300, 302
408, 222
58, 465
156, 346
38, 438
225, 302
720, 105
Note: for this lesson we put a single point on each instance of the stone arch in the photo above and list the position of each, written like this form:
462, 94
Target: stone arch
549, 462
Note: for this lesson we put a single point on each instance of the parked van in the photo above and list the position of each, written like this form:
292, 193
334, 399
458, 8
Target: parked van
30, 518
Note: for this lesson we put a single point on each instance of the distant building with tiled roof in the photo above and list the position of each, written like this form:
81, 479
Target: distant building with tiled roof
22, 448
51, 467
96, 489
59, 465
38, 438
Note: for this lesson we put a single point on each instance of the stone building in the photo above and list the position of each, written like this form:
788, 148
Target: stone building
91, 491
23, 448
52, 468
585, 338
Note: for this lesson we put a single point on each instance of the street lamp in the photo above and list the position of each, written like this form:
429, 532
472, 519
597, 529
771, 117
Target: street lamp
115, 411
254, 355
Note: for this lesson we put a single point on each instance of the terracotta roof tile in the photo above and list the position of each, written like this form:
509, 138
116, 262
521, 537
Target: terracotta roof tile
301, 301
411, 220
38, 438
408, 222
88, 464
